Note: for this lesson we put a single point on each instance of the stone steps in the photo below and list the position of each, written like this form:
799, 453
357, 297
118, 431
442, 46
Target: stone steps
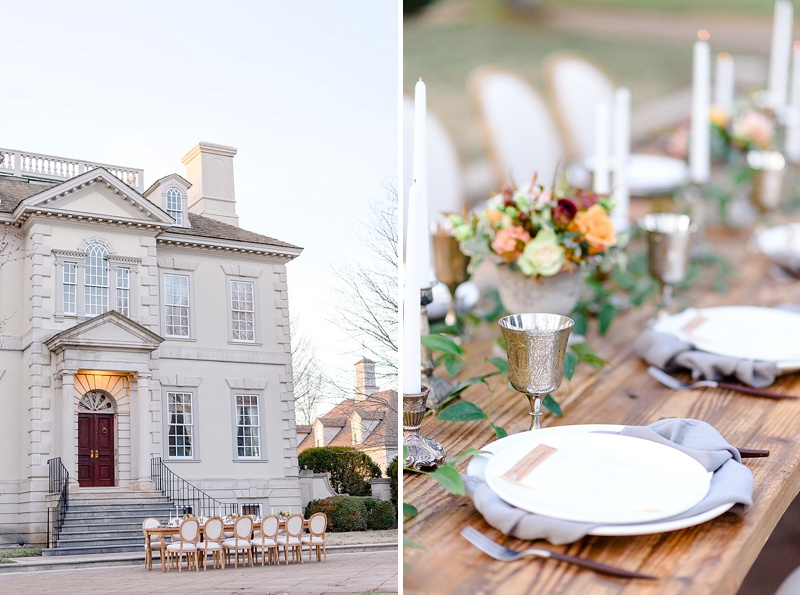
108, 522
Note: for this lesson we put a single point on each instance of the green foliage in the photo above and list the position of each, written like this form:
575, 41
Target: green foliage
349, 468
345, 513
447, 475
380, 514
392, 472
409, 511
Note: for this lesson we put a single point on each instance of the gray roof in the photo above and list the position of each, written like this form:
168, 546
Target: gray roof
14, 190
205, 227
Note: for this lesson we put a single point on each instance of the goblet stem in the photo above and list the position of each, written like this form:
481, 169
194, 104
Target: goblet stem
450, 319
535, 401
664, 300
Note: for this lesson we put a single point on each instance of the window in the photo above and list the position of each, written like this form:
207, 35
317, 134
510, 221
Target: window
248, 439
95, 281
176, 303
181, 421
70, 287
123, 291
174, 203
243, 311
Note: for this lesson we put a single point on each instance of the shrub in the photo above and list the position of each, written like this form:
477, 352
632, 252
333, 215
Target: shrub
380, 514
349, 468
345, 513
391, 473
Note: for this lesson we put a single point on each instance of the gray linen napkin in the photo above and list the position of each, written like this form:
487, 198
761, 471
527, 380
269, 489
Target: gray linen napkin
670, 353
731, 482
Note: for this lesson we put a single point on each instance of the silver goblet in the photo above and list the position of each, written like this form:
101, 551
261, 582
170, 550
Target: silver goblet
536, 345
451, 268
669, 239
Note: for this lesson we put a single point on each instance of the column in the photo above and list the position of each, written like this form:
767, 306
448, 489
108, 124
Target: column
66, 419
142, 428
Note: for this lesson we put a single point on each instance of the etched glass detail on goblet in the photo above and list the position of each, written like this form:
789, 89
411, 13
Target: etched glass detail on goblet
451, 268
536, 344
669, 239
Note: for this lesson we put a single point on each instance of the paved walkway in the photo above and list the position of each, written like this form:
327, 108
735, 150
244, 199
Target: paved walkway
360, 572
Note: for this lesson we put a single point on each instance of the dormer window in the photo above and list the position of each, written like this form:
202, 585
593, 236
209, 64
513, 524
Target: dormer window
174, 205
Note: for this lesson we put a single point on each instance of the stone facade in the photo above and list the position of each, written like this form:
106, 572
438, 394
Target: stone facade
155, 307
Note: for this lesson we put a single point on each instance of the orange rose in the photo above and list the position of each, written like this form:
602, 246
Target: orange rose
493, 216
595, 227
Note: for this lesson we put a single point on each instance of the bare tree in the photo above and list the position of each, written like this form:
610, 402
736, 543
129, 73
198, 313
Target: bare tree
366, 306
308, 379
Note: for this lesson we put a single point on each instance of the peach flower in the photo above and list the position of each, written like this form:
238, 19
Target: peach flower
510, 242
595, 227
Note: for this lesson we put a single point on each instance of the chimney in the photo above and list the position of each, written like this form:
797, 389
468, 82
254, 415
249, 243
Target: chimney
365, 379
209, 168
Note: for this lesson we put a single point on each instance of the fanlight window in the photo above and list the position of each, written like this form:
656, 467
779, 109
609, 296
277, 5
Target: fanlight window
96, 401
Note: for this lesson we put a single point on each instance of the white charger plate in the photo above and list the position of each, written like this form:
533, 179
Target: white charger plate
780, 239
745, 332
478, 463
600, 478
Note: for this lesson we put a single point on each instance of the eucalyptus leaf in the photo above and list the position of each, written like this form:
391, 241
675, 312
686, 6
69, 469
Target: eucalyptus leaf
409, 511
461, 411
499, 363
447, 475
470, 452
498, 431
453, 366
608, 312
551, 405
570, 362
443, 344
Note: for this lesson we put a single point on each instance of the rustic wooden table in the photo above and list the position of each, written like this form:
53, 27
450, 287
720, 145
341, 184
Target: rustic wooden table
713, 557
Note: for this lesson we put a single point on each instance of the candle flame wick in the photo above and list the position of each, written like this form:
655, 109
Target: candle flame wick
703, 35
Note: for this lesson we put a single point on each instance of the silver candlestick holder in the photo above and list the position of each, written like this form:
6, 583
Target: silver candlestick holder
421, 452
440, 388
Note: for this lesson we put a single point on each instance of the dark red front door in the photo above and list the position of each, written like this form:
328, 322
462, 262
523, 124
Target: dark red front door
95, 450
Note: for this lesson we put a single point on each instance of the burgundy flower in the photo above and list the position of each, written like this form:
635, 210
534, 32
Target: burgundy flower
564, 212
508, 196
585, 199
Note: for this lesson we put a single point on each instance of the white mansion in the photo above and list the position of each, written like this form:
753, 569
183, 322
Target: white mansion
139, 323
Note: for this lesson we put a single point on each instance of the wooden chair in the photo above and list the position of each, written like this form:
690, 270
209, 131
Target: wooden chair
213, 534
291, 539
317, 523
242, 534
189, 532
266, 540
150, 542
521, 134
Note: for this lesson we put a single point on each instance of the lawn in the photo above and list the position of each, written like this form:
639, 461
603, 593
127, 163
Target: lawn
18, 552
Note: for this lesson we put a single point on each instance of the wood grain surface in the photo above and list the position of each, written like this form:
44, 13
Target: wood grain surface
713, 557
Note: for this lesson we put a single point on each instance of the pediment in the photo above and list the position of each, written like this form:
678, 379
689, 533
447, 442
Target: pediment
95, 195
110, 331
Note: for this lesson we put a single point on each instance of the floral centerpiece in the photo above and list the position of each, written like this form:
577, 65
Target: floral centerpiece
537, 231
741, 132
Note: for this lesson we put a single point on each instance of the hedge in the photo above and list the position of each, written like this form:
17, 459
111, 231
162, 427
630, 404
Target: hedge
352, 513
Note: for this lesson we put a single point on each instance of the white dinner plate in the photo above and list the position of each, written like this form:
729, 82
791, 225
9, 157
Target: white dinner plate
745, 332
780, 239
649, 175
598, 478
478, 465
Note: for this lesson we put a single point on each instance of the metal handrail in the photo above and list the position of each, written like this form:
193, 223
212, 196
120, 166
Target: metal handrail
187, 498
58, 483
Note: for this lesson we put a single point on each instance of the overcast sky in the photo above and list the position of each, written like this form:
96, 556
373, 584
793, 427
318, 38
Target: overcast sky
305, 90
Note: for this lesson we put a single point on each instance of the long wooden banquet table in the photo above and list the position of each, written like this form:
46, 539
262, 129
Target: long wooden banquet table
174, 530
713, 557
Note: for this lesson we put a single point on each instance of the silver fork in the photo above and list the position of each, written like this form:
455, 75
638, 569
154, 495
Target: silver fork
676, 384
504, 554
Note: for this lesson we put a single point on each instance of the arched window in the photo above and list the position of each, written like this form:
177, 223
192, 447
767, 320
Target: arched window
95, 280
174, 204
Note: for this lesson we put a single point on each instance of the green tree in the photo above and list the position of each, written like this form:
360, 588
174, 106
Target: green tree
391, 473
349, 468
